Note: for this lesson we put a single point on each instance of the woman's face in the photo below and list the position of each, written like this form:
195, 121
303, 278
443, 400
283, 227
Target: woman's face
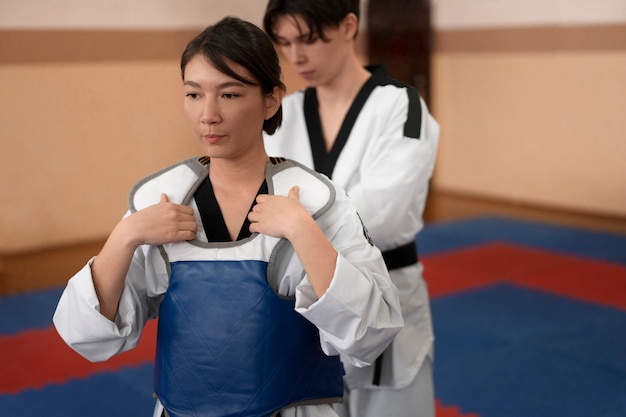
225, 114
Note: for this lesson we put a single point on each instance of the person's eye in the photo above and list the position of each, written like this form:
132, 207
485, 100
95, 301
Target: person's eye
230, 95
310, 40
191, 95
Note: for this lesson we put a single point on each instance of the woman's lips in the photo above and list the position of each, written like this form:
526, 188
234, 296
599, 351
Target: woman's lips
213, 138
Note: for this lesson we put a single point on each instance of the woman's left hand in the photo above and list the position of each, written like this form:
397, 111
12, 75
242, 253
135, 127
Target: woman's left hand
278, 216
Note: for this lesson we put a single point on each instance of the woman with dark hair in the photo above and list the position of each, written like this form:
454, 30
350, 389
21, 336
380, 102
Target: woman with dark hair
259, 270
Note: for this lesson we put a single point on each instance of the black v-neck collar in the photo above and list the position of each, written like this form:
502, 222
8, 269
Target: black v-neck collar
212, 217
323, 161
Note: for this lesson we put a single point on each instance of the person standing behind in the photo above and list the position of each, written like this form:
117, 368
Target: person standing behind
375, 137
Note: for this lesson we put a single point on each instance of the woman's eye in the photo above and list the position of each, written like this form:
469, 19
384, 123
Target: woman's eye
191, 95
230, 95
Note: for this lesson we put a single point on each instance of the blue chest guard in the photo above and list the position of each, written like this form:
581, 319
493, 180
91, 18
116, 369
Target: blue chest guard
228, 344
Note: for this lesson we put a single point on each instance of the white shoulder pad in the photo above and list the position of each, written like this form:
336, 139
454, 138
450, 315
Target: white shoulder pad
317, 193
178, 181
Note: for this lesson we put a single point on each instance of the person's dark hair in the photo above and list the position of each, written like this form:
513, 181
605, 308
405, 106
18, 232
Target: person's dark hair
318, 14
245, 44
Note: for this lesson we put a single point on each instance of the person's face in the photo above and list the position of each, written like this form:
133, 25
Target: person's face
316, 61
225, 114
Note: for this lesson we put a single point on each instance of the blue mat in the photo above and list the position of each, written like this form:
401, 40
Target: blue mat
442, 237
124, 393
508, 351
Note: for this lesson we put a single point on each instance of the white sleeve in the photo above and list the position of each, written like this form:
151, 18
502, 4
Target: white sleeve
359, 315
79, 323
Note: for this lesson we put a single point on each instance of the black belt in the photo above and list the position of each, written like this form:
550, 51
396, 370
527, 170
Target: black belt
401, 256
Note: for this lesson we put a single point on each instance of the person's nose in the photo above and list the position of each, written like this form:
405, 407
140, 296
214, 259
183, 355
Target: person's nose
210, 112
295, 54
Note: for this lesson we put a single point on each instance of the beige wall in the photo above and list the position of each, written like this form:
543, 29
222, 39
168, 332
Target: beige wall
76, 137
90, 102
534, 126
78, 134
530, 95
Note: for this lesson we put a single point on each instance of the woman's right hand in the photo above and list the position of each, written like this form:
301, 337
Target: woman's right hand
160, 223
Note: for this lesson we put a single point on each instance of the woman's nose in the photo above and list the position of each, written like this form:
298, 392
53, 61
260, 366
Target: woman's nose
210, 113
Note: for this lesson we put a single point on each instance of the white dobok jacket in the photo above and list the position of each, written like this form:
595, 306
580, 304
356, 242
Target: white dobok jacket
357, 317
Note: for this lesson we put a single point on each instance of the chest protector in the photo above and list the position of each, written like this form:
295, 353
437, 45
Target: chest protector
228, 344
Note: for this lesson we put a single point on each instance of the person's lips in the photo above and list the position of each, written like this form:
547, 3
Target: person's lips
306, 74
213, 138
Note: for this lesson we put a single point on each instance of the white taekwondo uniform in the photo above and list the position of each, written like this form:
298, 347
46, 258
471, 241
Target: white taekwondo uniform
384, 157
356, 318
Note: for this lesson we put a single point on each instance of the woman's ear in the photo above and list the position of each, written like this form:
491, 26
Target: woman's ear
273, 101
